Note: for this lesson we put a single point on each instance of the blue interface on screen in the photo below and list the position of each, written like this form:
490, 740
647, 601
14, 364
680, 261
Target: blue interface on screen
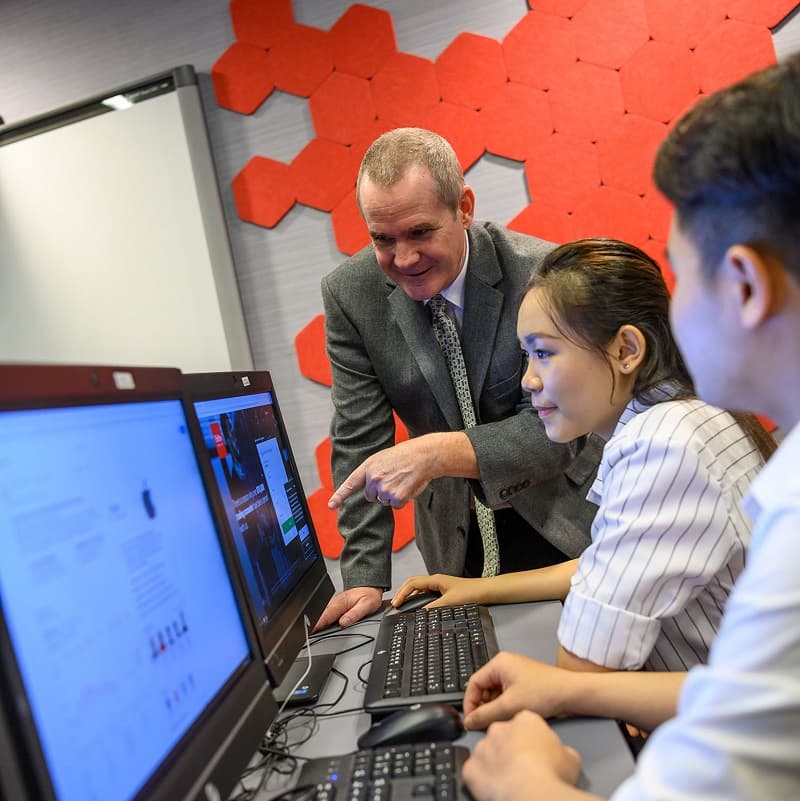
114, 588
260, 492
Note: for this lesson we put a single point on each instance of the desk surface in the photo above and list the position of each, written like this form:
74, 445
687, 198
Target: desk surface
529, 629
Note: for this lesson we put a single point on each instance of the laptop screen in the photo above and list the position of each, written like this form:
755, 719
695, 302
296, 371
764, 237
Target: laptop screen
115, 591
254, 470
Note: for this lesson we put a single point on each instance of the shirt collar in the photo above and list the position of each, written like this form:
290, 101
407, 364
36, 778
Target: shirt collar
454, 293
778, 483
658, 394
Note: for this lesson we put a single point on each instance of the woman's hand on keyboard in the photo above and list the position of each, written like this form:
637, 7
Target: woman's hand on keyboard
509, 683
454, 590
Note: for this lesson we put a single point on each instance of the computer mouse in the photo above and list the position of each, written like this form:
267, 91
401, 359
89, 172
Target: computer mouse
415, 601
420, 723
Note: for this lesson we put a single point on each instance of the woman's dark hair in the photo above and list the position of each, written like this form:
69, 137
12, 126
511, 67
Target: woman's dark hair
593, 287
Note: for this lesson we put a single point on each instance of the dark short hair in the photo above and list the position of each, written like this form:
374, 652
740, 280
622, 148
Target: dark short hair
593, 287
731, 167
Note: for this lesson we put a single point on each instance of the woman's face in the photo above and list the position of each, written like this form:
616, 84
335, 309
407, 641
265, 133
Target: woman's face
573, 389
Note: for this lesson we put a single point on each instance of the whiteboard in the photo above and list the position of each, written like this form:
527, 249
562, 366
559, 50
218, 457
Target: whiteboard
113, 245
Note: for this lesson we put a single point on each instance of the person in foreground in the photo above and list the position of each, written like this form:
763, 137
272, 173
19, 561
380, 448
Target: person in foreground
731, 167
434, 287
669, 539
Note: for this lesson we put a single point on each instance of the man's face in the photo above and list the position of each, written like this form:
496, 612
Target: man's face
700, 322
419, 242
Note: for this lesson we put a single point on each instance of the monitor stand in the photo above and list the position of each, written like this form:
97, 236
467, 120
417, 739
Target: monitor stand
308, 692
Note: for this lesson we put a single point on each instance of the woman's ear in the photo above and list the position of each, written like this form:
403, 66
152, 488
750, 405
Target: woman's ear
628, 349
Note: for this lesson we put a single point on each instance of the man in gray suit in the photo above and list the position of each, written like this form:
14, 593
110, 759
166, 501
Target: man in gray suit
385, 356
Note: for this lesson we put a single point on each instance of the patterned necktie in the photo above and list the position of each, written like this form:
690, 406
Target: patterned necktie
447, 335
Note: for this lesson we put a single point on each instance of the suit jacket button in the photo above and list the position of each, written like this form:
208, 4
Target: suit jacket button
526, 483
504, 493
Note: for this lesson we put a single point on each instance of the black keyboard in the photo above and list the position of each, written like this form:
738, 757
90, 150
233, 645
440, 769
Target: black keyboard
420, 772
428, 655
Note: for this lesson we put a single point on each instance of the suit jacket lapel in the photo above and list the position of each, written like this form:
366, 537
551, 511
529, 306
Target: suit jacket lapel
483, 306
414, 322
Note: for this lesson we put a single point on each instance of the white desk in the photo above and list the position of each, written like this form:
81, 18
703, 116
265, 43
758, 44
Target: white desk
529, 629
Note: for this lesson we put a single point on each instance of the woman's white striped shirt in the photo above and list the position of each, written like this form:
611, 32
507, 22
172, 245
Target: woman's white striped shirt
668, 540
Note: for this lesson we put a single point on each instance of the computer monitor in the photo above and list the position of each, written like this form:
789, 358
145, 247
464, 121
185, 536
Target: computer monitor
129, 667
249, 453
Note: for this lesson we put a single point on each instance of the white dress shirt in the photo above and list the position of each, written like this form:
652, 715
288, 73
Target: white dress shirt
454, 292
737, 732
668, 541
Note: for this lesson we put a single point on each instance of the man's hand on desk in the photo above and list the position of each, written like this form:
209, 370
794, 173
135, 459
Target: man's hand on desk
509, 683
396, 475
348, 607
523, 760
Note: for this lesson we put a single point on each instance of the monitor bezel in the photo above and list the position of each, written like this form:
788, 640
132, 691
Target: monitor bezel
285, 636
218, 745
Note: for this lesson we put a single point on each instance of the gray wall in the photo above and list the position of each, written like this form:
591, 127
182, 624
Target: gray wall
52, 53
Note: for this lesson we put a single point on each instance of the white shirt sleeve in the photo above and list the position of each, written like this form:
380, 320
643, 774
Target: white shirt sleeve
737, 732
662, 532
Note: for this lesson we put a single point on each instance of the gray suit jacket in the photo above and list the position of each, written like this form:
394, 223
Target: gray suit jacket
384, 356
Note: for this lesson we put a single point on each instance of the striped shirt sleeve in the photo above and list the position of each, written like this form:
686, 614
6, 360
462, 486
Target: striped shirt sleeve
662, 532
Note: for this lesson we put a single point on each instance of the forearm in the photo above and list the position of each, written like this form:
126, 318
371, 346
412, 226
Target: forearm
643, 698
451, 454
544, 584
515, 446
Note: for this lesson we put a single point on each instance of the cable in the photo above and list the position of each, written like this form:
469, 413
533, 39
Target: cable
360, 668
306, 626
275, 749
368, 638
299, 793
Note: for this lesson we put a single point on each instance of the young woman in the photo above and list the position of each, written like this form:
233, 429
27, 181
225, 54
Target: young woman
668, 540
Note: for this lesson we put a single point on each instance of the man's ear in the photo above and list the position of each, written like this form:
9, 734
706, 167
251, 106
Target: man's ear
752, 284
466, 206
628, 349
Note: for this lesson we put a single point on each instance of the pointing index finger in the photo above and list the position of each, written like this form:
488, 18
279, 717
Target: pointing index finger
354, 482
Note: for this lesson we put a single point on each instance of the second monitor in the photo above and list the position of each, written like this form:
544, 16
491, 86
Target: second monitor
282, 566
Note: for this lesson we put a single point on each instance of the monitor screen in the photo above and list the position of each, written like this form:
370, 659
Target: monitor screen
251, 459
117, 601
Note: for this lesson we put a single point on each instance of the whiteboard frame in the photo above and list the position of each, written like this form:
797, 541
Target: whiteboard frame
48, 311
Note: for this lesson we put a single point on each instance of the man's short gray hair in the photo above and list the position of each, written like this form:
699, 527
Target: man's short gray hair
389, 157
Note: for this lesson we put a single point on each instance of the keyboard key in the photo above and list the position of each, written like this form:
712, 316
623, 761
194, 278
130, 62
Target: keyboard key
428, 655
429, 772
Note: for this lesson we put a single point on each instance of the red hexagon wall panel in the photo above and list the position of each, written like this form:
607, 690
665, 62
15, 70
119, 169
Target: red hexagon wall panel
647, 94
609, 32
538, 48
684, 22
362, 39
581, 91
259, 23
404, 88
342, 109
242, 78
485, 74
